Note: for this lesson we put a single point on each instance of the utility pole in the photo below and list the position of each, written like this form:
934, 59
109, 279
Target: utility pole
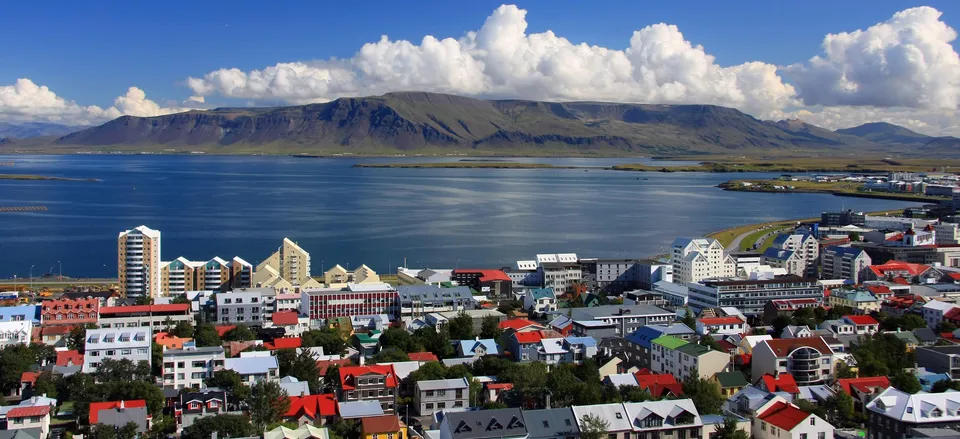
61, 269
31, 278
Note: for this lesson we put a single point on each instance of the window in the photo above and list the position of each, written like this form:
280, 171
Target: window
821, 435
428, 406
803, 436
194, 405
125, 352
199, 364
181, 364
813, 421
429, 392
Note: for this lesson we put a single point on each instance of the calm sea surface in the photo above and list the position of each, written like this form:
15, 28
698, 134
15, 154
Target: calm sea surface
209, 206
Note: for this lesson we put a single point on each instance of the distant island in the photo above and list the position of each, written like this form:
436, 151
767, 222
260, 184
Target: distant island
43, 177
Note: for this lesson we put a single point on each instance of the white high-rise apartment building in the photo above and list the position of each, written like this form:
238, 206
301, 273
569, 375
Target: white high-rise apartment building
798, 253
700, 258
138, 262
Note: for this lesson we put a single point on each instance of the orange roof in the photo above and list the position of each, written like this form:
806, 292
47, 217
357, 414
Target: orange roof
517, 324
863, 384
95, 407
284, 343
658, 384
528, 337
170, 341
784, 415
312, 406
285, 318
897, 266
784, 383
29, 377
500, 386
381, 424
429, 356
173, 307
349, 373
784, 346
862, 320
486, 275
879, 289
224, 329
27, 412
65, 358
56, 330
729, 320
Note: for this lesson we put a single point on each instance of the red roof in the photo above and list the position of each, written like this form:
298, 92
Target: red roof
517, 324
349, 373
782, 347
879, 289
954, 276
285, 318
485, 275
726, 345
863, 384
323, 365
784, 415
862, 320
429, 356
659, 384
28, 412
500, 386
29, 377
312, 406
95, 407
64, 358
528, 337
381, 424
56, 330
283, 343
173, 307
729, 320
224, 329
900, 281
952, 314
897, 266
785, 383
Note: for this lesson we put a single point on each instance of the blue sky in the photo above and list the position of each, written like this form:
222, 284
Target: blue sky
91, 52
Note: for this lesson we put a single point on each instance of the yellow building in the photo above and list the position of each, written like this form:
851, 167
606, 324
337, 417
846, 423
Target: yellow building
339, 276
382, 427
138, 262
181, 275
290, 263
863, 302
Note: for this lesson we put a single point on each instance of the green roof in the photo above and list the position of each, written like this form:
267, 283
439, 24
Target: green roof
906, 337
669, 342
694, 349
731, 379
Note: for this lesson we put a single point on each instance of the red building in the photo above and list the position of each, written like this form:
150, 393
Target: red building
355, 300
490, 282
69, 311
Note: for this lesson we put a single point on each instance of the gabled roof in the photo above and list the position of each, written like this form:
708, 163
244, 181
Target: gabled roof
283, 343
893, 265
863, 384
489, 345
784, 346
486, 424
518, 324
312, 406
285, 318
422, 356
731, 379
615, 415
667, 411
621, 379
542, 293
348, 375
784, 415
658, 384
551, 423
782, 383
729, 320
527, 337
381, 424
485, 275
95, 407
28, 412
65, 358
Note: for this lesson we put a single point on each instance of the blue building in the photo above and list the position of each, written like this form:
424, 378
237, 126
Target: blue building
20, 313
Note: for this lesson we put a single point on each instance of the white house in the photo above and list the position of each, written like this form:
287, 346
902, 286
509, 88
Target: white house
728, 325
784, 420
116, 343
934, 310
540, 301
15, 332
191, 366
254, 366
696, 259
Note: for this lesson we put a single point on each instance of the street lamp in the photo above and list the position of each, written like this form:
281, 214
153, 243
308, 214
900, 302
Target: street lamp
31, 278
60, 264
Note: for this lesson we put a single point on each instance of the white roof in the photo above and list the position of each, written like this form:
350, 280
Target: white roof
917, 408
381, 286
251, 365
939, 305
527, 265
142, 230
109, 338
752, 340
403, 369
615, 415
454, 383
665, 409
553, 346
622, 379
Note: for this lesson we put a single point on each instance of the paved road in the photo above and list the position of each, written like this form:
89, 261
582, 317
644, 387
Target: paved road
735, 244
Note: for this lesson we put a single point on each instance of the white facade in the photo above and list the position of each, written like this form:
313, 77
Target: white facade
934, 310
844, 263
702, 258
15, 332
139, 263
805, 253
115, 343
287, 302
947, 233
811, 427
189, 367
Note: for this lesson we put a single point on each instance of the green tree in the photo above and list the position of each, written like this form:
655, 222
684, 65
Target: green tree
17, 359
345, 429
111, 370
844, 371
436, 341
634, 394
398, 339
839, 410
509, 305
77, 338
588, 371
267, 402
780, 323
854, 236
490, 328
206, 335
946, 327
460, 327
490, 365
179, 300
156, 359
905, 381
529, 383
431, 370
390, 355
285, 359
45, 385
162, 427
729, 430
331, 378
102, 431
183, 330
304, 368
231, 382
239, 333
705, 394
564, 386
143, 300
130, 430
944, 385
881, 354
327, 338
593, 427
710, 342
688, 319
225, 426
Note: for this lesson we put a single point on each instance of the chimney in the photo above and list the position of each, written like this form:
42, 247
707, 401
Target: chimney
122, 406
363, 359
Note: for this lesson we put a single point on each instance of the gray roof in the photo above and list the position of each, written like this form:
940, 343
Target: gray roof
551, 423
618, 310
450, 362
23, 433
194, 351
925, 335
433, 294
294, 387
454, 383
360, 409
251, 365
119, 418
486, 424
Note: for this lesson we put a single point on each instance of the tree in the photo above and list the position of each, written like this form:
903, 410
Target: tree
111, 370
390, 355
206, 335
345, 429
710, 342
460, 327
231, 382
844, 371
729, 430
17, 359
593, 427
564, 386
128, 431
839, 409
267, 402
705, 394
529, 382
854, 236
634, 394
509, 305
431, 370
102, 431
946, 326
398, 339
182, 330
304, 368
688, 319
285, 359
780, 323
881, 354
435, 341
944, 385
45, 385
180, 300
327, 338
163, 427
239, 333
905, 381
144, 300
224, 425
490, 328
76, 339
156, 359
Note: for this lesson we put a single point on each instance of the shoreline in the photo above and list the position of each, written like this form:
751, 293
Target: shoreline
768, 187
27, 177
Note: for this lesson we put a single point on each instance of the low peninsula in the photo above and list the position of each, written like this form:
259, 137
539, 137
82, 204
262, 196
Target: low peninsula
44, 177
840, 188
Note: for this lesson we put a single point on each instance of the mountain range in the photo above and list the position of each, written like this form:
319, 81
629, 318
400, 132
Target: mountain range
35, 129
429, 123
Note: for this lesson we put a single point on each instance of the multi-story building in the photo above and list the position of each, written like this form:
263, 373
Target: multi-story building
339, 276
947, 233
540, 301
810, 360
355, 299
484, 424
494, 283
701, 258
934, 310
254, 367
625, 319
750, 296
115, 343
244, 306
798, 253
181, 275
15, 332
675, 418
419, 300
290, 263
551, 423
156, 317
287, 302
786, 307
193, 406
725, 325
70, 312
191, 366
940, 359
21, 313
844, 263
893, 413
618, 275
369, 383
637, 345
840, 219
681, 358
432, 396
138, 262
783, 420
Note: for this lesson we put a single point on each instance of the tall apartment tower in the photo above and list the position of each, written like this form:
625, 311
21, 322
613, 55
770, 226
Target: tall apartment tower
138, 262
700, 258
290, 262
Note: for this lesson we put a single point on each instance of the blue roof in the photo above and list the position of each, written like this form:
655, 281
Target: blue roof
852, 251
468, 346
860, 296
543, 293
775, 253
31, 312
251, 365
360, 409
561, 321
586, 341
